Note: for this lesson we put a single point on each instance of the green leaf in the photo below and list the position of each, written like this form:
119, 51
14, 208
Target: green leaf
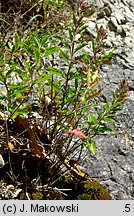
83, 27
109, 119
36, 52
57, 87
113, 99
76, 84
53, 71
92, 119
13, 86
32, 19
117, 103
71, 34
107, 106
45, 40
79, 47
2, 98
10, 45
67, 45
51, 50
79, 57
19, 90
74, 19
23, 75
2, 68
8, 74
91, 146
20, 112
115, 110
28, 67
36, 42
104, 128
42, 78
86, 58
64, 56
95, 105
28, 49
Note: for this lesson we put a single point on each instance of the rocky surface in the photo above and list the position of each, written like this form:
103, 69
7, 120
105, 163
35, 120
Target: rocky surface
113, 163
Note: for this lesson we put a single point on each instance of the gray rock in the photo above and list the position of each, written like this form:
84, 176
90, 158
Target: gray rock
113, 24
112, 165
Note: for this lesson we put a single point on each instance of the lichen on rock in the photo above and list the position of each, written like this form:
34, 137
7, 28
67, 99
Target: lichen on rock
92, 190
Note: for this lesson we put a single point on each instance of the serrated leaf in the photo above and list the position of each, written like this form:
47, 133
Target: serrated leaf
94, 94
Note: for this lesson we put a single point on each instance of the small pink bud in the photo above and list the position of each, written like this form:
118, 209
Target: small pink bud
78, 133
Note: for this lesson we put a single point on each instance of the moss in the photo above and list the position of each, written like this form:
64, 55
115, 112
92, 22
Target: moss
83, 189
37, 196
67, 179
48, 195
92, 190
54, 195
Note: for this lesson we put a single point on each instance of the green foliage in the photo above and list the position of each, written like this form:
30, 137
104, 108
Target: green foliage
31, 68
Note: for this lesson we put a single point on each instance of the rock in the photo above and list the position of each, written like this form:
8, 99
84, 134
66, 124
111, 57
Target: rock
105, 11
102, 22
113, 24
120, 18
108, 11
101, 14
92, 191
113, 162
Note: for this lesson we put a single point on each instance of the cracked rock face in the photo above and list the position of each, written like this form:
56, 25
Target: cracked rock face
113, 162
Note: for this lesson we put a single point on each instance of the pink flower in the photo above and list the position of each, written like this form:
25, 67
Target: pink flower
78, 133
